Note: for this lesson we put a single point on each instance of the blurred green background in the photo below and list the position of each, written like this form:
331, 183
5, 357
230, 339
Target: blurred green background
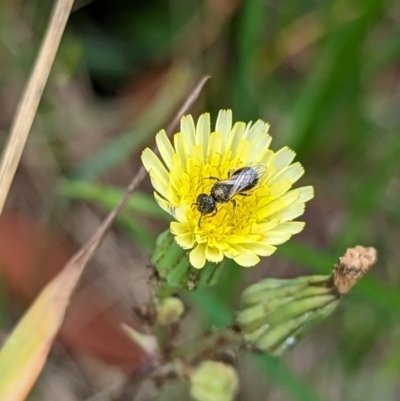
324, 74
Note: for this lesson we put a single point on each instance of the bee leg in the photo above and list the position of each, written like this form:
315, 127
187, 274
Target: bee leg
211, 215
210, 178
243, 194
234, 207
214, 213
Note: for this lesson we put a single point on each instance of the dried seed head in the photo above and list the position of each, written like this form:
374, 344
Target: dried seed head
352, 266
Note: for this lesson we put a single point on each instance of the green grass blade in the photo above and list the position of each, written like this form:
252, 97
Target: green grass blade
281, 375
108, 197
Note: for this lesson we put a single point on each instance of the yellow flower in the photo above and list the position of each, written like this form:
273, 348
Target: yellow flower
259, 221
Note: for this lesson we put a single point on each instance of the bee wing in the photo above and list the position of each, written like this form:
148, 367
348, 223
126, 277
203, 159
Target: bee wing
240, 181
238, 185
261, 169
230, 181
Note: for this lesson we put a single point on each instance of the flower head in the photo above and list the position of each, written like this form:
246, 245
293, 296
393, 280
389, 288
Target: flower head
254, 223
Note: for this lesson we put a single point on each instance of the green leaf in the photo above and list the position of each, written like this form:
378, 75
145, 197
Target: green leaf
335, 82
249, 35
217, 312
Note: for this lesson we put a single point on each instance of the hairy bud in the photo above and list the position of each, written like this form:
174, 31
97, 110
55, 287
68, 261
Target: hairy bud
214, 381
169, 310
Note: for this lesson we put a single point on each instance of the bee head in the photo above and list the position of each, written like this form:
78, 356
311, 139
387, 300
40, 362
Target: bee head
205, 204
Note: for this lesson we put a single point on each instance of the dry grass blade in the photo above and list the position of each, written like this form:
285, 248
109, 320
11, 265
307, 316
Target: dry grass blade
31, 97
25, 351
194, 94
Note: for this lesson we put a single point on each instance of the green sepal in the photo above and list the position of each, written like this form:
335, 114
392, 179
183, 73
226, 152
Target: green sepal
296, 335
269, 289
172, 264
171, 261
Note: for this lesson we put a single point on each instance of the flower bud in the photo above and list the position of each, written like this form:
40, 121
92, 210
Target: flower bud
169, 310
214, 381
276, 313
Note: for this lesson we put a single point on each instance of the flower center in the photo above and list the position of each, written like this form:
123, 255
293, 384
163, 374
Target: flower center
234, 214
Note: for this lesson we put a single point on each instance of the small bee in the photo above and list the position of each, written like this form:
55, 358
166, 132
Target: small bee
238, 182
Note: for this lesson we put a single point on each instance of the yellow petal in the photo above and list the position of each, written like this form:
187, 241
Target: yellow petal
292, 227
188, 129
235, 136
257, 128
279, 188
259, 147
203, 133
283, 158
290, 212
153, 164
197, 155
306, 193
277, 237
290, 197
197, 257
165, 147
241, 239
246, 258
214, 255
214, 243
243, 150
266, 158
265, 226
231, 252
159, 185
178, 228
261, 248
181, 148
293, 173
185, 241
214, 146
181, 214
224, 123
296, 195
164, 204
270, 209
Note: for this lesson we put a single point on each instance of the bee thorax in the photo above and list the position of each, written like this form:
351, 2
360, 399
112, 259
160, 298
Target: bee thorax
220, 193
